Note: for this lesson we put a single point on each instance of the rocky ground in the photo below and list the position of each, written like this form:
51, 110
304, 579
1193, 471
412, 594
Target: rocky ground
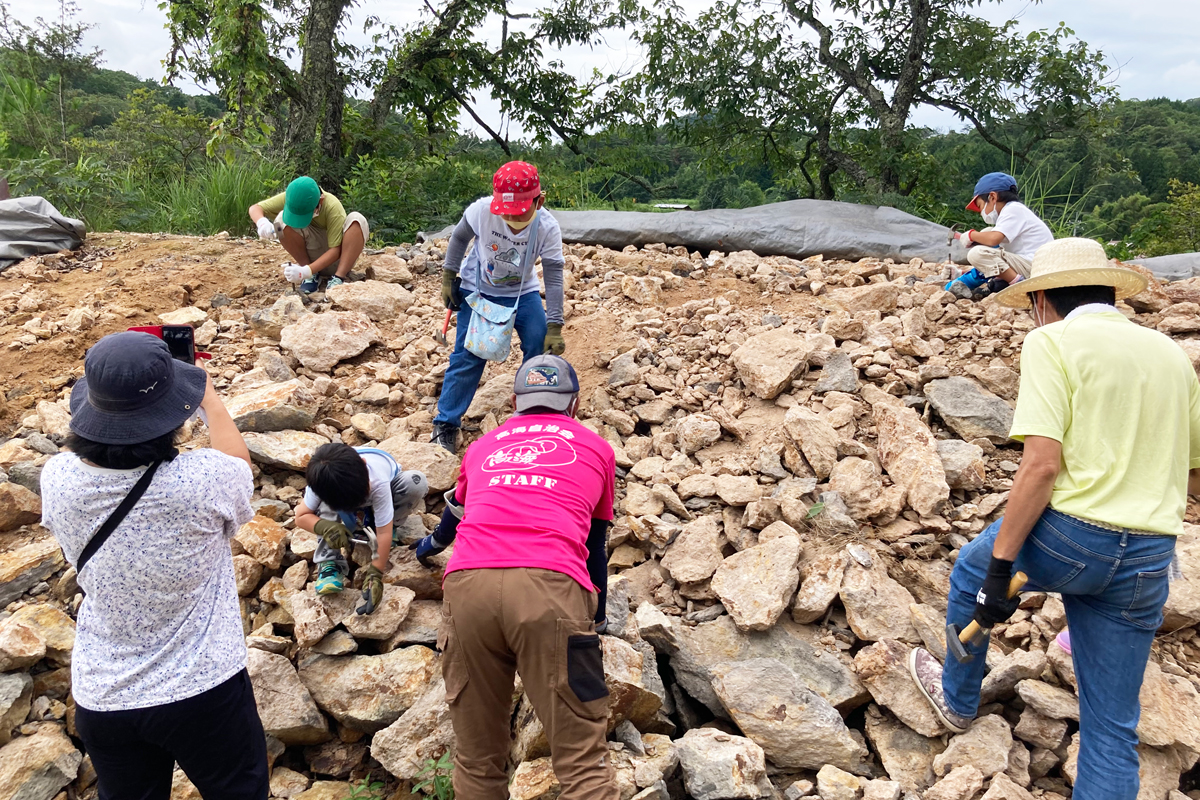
803, 447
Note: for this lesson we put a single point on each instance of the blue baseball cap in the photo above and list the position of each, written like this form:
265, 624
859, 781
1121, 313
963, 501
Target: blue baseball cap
132, 391
545, 381
992, 182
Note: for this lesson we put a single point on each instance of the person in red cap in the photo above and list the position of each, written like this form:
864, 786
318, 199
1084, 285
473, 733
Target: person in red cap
500, 266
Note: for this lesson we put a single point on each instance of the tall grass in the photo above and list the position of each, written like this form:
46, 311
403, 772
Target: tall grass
215, 197
1055, 201
211, 198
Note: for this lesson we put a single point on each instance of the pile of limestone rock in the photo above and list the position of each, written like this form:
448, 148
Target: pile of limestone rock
802, 449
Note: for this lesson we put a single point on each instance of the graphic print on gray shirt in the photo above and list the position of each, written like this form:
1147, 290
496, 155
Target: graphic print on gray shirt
499, 251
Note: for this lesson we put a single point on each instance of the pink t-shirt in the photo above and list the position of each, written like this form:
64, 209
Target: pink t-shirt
532, 488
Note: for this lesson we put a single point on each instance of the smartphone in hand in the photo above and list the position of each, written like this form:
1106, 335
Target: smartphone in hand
180, 339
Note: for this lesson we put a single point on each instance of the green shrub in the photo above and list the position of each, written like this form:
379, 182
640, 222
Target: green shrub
402, 196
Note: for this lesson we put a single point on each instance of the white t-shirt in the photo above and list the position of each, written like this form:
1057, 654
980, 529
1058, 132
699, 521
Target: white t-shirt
160, 620
381, 470
1024, 232
499, 251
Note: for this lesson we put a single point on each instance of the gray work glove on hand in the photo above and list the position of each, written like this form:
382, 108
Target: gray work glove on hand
335, 534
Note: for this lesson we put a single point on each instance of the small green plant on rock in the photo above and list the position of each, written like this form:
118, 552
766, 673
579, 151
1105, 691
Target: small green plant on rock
437, 778
367, 789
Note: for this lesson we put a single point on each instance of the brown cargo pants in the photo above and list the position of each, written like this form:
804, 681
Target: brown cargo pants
496, 623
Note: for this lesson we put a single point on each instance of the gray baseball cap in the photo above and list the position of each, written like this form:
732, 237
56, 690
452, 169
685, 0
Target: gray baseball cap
545, 381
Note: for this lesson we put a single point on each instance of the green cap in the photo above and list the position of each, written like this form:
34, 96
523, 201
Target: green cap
300, 201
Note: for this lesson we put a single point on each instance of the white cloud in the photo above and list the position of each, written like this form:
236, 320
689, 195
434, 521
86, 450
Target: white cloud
1185, 75
1151, 42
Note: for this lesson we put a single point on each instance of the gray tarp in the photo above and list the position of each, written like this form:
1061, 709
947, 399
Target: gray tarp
1172, 268
30, 226
796, 228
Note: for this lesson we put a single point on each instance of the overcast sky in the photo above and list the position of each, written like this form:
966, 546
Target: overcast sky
1151, 42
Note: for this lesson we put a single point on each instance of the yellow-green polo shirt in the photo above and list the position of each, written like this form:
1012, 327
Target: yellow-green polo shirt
330, 217
1124, 402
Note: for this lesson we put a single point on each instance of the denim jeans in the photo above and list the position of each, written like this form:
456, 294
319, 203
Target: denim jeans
466, 368
1113, 584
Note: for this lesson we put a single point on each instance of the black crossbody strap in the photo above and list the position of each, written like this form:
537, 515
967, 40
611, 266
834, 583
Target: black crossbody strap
116, 517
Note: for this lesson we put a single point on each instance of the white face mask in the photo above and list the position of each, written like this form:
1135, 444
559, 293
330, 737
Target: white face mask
990, 217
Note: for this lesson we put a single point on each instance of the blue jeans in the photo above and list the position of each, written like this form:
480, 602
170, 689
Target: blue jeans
466, 368
1113, 584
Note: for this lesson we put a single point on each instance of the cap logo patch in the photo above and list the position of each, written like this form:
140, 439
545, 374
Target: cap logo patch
149, 388
541, 377
506, 197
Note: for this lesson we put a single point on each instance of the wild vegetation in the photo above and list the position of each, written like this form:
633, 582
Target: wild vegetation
740, 105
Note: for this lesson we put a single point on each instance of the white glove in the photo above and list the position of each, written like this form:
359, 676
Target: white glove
266, 229
294, 273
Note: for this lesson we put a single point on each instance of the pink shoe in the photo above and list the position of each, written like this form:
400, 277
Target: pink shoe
1064, 640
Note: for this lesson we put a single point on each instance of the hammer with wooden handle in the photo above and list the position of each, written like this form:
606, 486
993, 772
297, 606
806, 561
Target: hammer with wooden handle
956, 641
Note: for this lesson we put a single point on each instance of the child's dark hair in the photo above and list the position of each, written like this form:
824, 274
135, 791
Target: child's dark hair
1008, 196
338, 475
124, 456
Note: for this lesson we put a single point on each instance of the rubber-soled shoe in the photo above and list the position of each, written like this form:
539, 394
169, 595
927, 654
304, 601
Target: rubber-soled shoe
965, 285
927, 672
311, 285
330, 579
1064, 640
445, 436
332, 282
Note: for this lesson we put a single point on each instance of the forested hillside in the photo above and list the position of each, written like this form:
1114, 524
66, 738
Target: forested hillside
694, 126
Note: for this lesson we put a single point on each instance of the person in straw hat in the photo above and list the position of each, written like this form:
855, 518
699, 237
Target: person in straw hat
1109, 413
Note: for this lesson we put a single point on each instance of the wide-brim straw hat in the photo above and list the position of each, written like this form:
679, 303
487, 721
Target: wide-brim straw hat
1072, 262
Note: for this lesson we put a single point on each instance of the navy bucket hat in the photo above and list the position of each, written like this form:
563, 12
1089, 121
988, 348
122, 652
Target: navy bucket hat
132, 391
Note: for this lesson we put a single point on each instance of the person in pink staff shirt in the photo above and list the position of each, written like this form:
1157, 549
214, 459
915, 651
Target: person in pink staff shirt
525, 588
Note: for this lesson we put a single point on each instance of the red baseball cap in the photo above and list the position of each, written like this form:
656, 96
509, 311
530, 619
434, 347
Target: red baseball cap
514, 188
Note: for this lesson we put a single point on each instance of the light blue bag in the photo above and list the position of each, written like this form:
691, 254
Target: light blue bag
489, 333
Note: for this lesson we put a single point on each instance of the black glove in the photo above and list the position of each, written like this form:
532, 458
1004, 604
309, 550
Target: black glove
335, 534
451, 293
992, 604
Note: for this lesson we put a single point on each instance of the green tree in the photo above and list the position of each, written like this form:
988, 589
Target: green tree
420, 78
794, 84
49, 53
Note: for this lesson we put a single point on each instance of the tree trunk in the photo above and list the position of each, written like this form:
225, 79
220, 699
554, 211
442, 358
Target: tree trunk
333, 168
320, 84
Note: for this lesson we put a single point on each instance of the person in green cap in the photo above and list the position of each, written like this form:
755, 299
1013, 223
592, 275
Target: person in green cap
315, 230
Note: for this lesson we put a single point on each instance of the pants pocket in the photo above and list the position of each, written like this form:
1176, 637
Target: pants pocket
579, 664
454, 668
1149, 595
1049, 564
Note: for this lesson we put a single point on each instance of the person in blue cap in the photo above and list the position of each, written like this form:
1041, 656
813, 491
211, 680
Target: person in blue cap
1002, 252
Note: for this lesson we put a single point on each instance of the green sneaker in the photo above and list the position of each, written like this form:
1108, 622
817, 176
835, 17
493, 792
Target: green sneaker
332, 282
330, 579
